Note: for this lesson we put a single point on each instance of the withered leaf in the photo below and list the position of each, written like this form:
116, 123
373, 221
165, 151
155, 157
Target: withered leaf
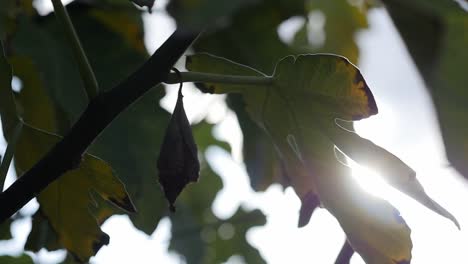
178, 162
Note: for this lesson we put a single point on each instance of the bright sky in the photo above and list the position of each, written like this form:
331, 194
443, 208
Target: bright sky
405, 125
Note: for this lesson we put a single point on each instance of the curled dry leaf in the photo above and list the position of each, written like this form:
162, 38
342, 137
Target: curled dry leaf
178, 163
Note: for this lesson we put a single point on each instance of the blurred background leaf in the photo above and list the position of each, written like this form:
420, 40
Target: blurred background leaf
330, 27
203, 14
5, 233
9, 10
435, 35
22, 259
197, 233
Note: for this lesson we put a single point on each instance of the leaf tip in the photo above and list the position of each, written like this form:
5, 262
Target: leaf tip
457, 224
188, 61
206, 88
361, 84
172, 208
125, 203
103, 240
309, 203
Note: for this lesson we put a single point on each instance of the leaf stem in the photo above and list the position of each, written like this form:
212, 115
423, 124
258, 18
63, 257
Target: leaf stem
10, 150
86, 72
174, 78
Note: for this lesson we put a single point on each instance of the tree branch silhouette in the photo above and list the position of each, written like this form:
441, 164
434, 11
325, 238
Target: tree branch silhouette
100, 112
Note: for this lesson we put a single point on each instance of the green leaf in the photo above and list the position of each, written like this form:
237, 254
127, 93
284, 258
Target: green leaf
262, 164
200, 14
373, 226
6, 8
137, 133
342, 20
36, 108
126, 24
7, 103
131, 143
219, 65
22, 259
11, 124
432, 7
395, 171
197, 233
308, 93
5, 232
434, 32
219, 240
258, 25
9, 11
76, 228
42, 235
121, 26
178, 163
48, 229
449, 92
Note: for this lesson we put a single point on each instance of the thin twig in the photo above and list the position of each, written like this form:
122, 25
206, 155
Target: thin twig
87, 75
9, 152
100, 112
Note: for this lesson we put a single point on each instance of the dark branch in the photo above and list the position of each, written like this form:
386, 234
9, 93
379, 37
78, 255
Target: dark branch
97, 116
344, 257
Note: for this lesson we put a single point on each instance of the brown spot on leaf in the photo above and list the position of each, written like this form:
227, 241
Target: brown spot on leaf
361, 84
